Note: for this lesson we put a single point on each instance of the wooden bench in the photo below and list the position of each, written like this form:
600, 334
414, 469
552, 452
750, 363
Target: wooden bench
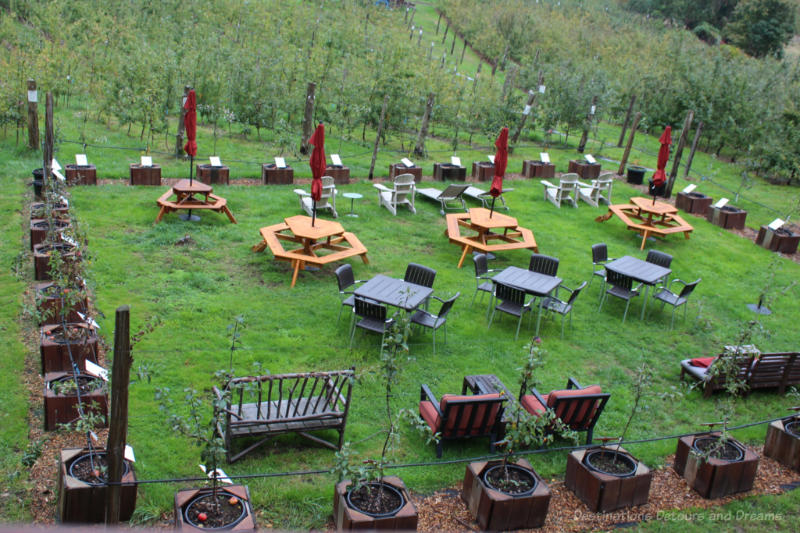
765, 371
265, 406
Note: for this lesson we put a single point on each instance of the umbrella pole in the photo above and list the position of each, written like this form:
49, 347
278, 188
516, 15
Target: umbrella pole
313, 212
191, 166
492, 209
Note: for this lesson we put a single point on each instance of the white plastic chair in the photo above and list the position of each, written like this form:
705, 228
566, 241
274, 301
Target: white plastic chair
565, 191
327, 199
596, 191
402, 193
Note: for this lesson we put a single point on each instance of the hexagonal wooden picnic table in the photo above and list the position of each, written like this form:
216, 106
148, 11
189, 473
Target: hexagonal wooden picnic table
482, 221
324, 236
185, 192
648, 217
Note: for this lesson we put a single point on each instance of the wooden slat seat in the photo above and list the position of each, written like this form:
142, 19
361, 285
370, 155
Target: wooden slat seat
266, 406
767, 370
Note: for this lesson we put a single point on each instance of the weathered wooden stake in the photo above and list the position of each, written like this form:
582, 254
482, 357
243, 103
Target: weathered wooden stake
179, 136
378, 136
419, 39
419, 149
694, 147
430, 51
308, 116
49, 140
118, 430
528, 107
413, 12
453, 45
462, 52
446, 29
587, 125
628, 146
627, 121
33, 116
687, 125
444, 56
405, 17
438, 21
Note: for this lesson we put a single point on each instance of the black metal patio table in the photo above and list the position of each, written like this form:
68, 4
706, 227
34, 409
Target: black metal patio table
641, 271
394, 292
534, 283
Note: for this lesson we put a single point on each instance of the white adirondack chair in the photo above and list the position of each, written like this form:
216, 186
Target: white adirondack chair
596, 191
565, 191
402, 193
327, 199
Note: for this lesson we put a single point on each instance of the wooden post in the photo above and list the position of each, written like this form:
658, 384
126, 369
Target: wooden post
419, 39
587, 125
462, 52
438, 22
444, 56
453, 46
477, 75
405, 17
627, 121
505, 57
687, 124
308, 117
179, 136
528, 107
49, 137
118, 430
694, 147
446, 29
33, 116
378, 136
411, 20
627, 152
430, 51
507, 84
419, 149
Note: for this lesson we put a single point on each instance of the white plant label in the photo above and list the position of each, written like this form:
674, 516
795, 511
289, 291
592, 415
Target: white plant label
80, 160
544, 156
93, 435
59, 175
775, 224
215, 161
65, 201
491, 158
590, 158
69, 240
527, 110
721, 203
541, 89
33, 96
280, 162
455, 161
147, 161
128, 454
92, 323
592, 110
55, 165
96, 370
336, 159
689, 188
407, 162
218, 473
530, 92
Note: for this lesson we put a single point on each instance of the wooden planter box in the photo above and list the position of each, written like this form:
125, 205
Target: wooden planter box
213, 175
81, 502
340, 175
51, 305
399, 168
41, 258
716, 477
63, 409
449, 172
272, 175
495, 510
55, 355
59, 211
782, 446
693, 202
39, 227
184, 497
584, 169
81, 174
538, 169
605, 492
145, 175
727, 217
345, 518
777, 242
483, 170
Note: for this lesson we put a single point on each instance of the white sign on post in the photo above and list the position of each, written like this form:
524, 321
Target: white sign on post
147, 161
33, 96
128, 454
689, 188
721, 202
336, 160
491, 158
544, 156
775, 224
527, 110
541, 89
280, 162
215, 161
455, 161
96, 370
592, 110
407, 162
80, 160
590, 158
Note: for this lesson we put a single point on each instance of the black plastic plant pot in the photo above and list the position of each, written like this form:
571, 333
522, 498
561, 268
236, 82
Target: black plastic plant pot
593, 459
736, 452
95, 460
522, 472
377, 486
636, 175
656, 191
191, 512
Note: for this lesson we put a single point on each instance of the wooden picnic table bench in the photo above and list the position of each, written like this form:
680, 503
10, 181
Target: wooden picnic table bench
631, 216
486, 240
185, 199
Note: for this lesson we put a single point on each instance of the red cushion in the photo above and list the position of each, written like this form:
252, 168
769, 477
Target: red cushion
458, 417
574, 413
428, 413
532, 405
702, 362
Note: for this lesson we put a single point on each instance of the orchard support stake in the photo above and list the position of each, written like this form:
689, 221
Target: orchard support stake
49, 138
419, 149
628, 146
118, 431
308, 116
694, 148
687, 124
179, 136
33, 116
528, 108
588, 124
378, 136
627, 121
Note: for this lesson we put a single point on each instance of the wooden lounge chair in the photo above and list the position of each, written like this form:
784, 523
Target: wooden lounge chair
565, 191
485, 198
267, 406
462, 416
327, 199
401, 194
578, 407
451, 195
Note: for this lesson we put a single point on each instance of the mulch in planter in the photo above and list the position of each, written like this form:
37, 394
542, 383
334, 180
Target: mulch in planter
346, 518
602, 491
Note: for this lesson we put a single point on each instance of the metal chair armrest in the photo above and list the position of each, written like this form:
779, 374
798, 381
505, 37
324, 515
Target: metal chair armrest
572, 383
538, 396
425, 394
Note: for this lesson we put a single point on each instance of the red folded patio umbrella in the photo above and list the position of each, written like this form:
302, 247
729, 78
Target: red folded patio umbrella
190, 124
660, 177
318, 165
500, 164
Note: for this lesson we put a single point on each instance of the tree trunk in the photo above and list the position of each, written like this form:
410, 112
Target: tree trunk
179, 136
378, 136
33, 116
627, 152
118, 430
308, 117
438, 21
419, 149
627, 121
694, 148
527, 111
463, 50
687, 124
587, 125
